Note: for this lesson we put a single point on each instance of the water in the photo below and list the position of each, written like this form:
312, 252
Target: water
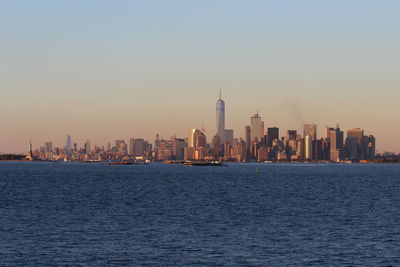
169, 215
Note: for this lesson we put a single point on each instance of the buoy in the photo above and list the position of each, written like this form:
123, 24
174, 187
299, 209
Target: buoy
258, 170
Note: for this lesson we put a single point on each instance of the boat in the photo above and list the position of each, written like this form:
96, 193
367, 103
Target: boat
204, 163
118, 163
173, 162
126, 163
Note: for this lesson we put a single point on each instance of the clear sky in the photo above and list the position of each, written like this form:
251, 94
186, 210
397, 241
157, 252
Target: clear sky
103, 70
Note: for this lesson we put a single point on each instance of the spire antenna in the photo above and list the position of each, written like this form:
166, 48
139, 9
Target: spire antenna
220, 97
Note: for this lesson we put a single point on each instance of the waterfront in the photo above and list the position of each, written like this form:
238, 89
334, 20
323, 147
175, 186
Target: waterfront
160, 214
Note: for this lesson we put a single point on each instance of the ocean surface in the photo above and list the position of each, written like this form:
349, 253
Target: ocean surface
69, 214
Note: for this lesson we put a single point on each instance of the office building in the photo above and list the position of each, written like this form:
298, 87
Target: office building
87, 147
193, 133
122, 149
229, 137
178, 148
272, 134
131, 148
308, 148
311, 130
48, 147
220, 119
200, 140
247, 139
118, 145
257, 129
336, 144
216, 149
139, 147
371, 147
351, 148
68, 145
291, 135
362, 143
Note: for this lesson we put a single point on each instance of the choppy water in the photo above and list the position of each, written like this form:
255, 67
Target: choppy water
169, 215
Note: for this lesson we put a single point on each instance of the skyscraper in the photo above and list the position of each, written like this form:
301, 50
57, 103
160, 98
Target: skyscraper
197, 143
122, 149
247, 134
272, 134
257, 131
311, 130
371, 147
336, 144
291, 134
68, 145
108, 147
351, 148
192, 137
308, 147
139, 147
87, 147
178, 148
131, 146
200, 140
229, 137
48, 146
358, 134
216, 146
221, 119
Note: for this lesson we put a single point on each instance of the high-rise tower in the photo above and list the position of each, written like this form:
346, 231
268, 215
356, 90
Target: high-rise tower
257, 128
308, 147
358, 134
221, 119
311, 130
336, 144
68, 145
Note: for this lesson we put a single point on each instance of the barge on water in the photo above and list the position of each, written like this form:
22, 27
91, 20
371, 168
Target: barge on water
124, 163
204, 163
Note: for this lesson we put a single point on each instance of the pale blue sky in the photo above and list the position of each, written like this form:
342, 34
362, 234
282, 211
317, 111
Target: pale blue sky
103, 70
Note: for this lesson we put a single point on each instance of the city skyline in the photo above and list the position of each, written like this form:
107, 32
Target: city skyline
107, 71
255, 122
259, 144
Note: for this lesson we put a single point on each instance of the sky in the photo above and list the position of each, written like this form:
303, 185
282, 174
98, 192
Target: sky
106, 70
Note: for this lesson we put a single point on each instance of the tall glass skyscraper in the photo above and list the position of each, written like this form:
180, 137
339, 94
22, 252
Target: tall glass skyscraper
311, 130
257, 129
221, 119
68, 145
